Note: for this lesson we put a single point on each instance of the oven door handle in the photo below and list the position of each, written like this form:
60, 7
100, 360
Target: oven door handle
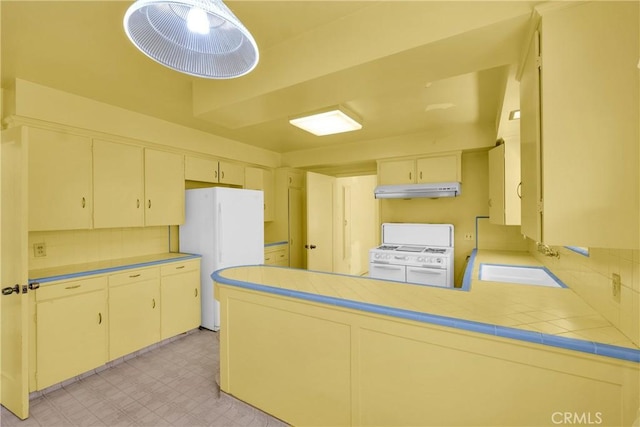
423, 271
388, 267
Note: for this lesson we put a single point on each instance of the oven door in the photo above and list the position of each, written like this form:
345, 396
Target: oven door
427, 276
387, 272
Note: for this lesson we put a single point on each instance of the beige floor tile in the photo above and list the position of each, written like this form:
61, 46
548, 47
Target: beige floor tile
172, 385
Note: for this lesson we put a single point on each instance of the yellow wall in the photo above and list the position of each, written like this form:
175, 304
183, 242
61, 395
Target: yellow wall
460, 211
85, 246
590, 277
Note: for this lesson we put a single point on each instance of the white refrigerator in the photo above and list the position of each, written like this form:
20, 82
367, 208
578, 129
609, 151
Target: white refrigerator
225, 226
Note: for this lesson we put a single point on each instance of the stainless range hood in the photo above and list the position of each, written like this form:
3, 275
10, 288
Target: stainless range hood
414, 191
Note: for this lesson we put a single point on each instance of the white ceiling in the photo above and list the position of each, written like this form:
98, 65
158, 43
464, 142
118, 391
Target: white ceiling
403, 66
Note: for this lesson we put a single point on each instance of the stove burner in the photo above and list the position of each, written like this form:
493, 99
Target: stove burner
388, 247
411, 248
435, 250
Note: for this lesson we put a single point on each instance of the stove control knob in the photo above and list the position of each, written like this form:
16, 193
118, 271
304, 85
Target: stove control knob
438, 260
376, 256
420, 259
388, 256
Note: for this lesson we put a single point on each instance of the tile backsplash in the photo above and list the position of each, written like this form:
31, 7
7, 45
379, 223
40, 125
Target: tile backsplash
591, 277
83, 246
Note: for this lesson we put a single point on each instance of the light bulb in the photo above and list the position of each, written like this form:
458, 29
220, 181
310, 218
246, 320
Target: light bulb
197, 21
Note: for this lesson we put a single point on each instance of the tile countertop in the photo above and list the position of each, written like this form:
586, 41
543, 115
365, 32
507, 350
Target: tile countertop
108, 266
551, 316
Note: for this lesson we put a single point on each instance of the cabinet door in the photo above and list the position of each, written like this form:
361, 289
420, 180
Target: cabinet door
203, 170
60, 193
180, 298
439, 169
164, 188
118, 185
530, 144
71, 336
296, 237
134, 316
590, 125
397, 172
496, 185
268, 186
262, 179
230, 173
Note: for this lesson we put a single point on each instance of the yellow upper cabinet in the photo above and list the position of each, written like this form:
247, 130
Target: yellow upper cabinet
580, 165
118, 185
213, 171
262, 179
441, 168
437, 168
60, 193
397, 172
164, 187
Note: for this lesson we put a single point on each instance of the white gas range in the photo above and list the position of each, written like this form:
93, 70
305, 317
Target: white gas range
414, 253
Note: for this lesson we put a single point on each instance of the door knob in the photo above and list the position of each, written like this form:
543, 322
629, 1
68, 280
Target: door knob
312, 247
11, 289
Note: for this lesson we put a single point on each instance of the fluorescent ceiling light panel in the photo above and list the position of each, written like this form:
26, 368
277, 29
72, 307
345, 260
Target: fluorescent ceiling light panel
327, 123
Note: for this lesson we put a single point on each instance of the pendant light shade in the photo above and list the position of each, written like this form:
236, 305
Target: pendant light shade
201, 38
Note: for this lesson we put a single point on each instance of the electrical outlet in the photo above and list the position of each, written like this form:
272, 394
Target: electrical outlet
615, 286
468, 236
39, 250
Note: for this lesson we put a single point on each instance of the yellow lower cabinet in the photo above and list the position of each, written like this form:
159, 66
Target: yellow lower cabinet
134, 311
180, 297
71, 329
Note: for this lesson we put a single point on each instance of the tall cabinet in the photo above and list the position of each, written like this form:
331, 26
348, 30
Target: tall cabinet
580, 126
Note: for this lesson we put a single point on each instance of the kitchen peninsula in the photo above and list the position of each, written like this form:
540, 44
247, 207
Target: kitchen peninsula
315, 348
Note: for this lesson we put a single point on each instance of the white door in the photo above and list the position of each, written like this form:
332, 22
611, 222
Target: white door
319, 246
13, 272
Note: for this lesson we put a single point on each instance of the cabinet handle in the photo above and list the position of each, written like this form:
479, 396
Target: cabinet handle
178, 268
137, 203
215, 174
409, 176
84, 202
134, 275
196, 292
153, 303
519, 190
490, 203
290, 180
420, 174
222, 177
99, 318
149, 204
73, 287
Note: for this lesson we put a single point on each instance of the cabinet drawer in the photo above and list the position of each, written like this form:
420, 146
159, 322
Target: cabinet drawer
179, 267
72, 287
274, 256
134, 275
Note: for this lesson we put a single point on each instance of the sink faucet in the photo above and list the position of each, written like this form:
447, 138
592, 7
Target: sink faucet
548, 251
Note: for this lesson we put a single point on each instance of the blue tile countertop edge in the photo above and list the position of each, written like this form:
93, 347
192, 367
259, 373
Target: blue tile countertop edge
623, 353
110, 269
284, 242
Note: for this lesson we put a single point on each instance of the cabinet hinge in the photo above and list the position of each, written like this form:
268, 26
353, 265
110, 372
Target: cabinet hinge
540, 206
539, 62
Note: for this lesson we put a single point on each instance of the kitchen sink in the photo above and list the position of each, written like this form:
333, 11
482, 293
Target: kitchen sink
520, 274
